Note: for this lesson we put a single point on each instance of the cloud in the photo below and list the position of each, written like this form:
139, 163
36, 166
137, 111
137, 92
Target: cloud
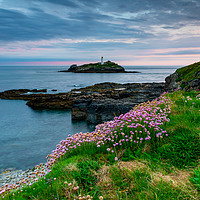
47, 19
43, 27
61, 2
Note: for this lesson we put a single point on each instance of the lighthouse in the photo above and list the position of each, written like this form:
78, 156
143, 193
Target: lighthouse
102, 60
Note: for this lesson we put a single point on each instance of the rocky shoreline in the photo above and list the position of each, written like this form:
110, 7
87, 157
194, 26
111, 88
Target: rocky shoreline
11, 176
95, 104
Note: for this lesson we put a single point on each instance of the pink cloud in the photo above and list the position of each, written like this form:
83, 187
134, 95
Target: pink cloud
45, 63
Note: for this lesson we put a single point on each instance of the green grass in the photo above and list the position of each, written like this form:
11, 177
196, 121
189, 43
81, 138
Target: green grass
101, 66
170, 170
195, 178
188, 73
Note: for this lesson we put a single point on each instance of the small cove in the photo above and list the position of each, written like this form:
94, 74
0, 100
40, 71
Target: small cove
26, 135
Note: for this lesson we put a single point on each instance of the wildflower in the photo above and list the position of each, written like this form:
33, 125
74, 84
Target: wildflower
116, 158
101, 198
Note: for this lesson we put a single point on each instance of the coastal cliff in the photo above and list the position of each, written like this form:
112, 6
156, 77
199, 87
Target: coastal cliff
187, 77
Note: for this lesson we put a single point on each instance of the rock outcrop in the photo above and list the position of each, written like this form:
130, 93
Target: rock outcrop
106, 67
97, 103
185, 78
22, 94
108, 100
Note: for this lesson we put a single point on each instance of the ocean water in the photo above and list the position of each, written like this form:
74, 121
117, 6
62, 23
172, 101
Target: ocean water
26, 135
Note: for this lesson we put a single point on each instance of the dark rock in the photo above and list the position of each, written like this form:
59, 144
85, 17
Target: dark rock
194, 83
23, 94
51, 101
102, 102
97, 103
170, 82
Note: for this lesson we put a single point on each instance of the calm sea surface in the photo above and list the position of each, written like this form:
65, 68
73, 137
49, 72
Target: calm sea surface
26, 135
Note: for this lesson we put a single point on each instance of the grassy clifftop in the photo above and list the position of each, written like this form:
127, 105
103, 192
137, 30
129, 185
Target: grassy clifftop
189, 73
186, 78
151, 152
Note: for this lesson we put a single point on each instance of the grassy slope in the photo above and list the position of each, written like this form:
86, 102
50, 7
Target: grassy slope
167, 171
188, 73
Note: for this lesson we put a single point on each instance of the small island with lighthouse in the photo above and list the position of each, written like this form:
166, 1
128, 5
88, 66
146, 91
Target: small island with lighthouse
99, 67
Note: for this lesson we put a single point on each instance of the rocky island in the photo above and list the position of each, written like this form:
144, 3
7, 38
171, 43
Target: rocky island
99, 67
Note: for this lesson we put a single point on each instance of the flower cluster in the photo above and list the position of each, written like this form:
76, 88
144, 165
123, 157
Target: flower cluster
140, 124
137, 126
72, 142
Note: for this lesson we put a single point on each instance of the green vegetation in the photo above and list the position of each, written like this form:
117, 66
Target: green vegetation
195, 179
165, 167
99, 65
188, 74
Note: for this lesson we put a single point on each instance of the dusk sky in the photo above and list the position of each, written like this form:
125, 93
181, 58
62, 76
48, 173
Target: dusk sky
129, 32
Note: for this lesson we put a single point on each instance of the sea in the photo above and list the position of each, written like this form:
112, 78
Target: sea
27, 136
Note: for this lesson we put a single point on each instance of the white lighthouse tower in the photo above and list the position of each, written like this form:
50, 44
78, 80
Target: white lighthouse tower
102, 60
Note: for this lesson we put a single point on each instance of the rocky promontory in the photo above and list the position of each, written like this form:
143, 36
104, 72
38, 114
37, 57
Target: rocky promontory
187, 77
97, 103
106, 67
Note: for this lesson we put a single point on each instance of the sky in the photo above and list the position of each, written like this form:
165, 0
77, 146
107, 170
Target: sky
129, 32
